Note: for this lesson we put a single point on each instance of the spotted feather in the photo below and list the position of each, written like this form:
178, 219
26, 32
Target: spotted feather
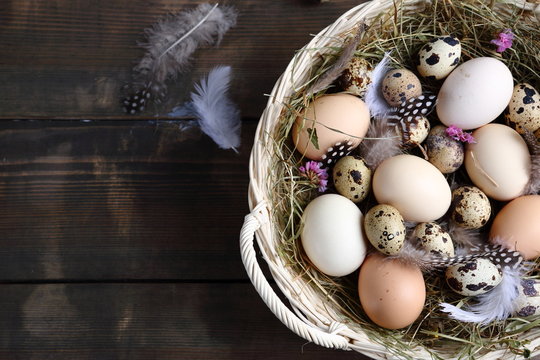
410, 111
498, 255
336, 152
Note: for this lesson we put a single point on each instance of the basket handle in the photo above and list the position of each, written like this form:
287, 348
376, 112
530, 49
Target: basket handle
252, 222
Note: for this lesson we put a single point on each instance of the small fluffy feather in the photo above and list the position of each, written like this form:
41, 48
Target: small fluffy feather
533, 186
381, 142
495, 305
464, 238
218, 116
337, 68
377, 105
203, 25
412, 255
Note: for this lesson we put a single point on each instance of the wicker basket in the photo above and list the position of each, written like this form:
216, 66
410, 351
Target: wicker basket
311, 317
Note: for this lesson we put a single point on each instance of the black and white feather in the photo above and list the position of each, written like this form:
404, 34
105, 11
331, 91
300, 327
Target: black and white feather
170, 44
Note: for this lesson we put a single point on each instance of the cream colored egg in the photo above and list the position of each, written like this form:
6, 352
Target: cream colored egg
414, 132
385, 229
412, 185
524, 109
400, 85
356, 76
499, 162
445, 153
475, 93
352, 178
471, 208
439, 57
432, 237
332, 235
473, 278
328, 120
528, 301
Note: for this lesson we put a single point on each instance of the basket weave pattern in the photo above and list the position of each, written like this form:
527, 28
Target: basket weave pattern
311, 316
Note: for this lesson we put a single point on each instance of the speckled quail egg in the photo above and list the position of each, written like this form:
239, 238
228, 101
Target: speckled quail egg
439, 57
385, 228
474, 277
352, 178
527, 302
471, 208
524, 109
356, 77
399, 85
445, 153
434, 239
413, 132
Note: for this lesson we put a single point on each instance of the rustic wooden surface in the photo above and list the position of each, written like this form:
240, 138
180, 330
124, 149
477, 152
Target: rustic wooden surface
119, 235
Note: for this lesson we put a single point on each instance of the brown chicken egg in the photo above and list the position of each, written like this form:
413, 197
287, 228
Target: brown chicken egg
392, 294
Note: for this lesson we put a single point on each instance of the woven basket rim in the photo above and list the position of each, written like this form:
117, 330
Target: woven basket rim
301, 297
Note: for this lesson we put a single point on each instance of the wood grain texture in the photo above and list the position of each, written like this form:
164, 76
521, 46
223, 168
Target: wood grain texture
146, 321
69, 59
129, 200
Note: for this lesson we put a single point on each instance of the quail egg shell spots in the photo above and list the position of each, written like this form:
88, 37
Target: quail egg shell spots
356, 77
332, 235
391, 293
471, 208
524, 109
352, 178
527, 302
434, 239
473, 278
475, 93
445, 153
412, 185
439, 57
517, 226
385, 229
342, 112
414, 132
399, 85
499, 162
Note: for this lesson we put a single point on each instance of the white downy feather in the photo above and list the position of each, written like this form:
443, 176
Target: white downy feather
377, 105
218, 116
495, 305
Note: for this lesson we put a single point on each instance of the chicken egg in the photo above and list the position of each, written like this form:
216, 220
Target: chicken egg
328, 120
413, 186
499, 162
475, 93
517, 226
392, 294
332, 235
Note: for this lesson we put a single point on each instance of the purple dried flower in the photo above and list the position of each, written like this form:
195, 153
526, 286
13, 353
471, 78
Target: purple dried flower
504, 40
458, 134
316, 175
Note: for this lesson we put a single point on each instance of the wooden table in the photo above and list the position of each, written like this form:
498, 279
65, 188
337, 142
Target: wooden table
119, 234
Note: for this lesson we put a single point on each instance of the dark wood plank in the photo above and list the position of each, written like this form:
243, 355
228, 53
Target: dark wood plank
69, 58
128, 200
146, 321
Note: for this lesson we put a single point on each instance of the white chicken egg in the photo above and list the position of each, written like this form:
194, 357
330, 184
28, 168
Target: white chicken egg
332, 234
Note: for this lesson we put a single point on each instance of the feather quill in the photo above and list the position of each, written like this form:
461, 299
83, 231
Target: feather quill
170, 44
495, 305
377, 105
337, 68
216, 114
